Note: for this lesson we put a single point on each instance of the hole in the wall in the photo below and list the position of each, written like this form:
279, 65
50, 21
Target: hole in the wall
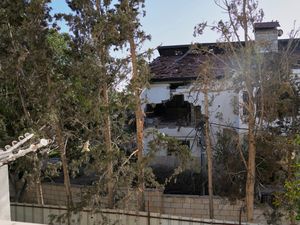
175, 111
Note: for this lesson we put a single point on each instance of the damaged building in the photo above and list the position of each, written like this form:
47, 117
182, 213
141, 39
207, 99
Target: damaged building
174, 108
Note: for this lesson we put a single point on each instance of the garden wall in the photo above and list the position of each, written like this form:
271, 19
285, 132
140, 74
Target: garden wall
157, 202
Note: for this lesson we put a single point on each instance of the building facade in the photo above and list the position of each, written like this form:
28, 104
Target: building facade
174, 106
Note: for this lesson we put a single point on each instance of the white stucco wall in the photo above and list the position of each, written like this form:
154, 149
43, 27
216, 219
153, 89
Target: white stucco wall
5, 222
156, 93
221, 101
4, 194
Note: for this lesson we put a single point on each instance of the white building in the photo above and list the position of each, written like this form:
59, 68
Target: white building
174, 108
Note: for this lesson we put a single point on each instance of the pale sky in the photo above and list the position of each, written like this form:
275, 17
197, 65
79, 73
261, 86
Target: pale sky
171, 22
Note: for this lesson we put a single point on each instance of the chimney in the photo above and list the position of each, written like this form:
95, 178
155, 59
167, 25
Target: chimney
266, 35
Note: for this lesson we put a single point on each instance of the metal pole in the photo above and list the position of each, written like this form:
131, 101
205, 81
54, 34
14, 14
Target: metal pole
148, 216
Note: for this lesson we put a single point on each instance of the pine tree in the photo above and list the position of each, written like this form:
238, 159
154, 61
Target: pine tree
129, 12
24, 64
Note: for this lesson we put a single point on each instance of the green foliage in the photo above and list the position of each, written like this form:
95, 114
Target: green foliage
289, 199
51, 84
162, 142
91, 70
272, 162
230, 173
23, 63
24, 66
297, 139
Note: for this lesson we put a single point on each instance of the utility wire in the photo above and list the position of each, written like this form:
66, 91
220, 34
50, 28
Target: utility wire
224, 125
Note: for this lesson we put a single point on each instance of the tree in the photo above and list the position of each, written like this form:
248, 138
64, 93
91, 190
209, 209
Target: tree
289, 198
94, 28
204, 84
57, 81
98, 30
23, 59
129, 12
23, 68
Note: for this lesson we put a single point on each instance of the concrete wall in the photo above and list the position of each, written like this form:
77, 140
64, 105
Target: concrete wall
4, 194
267, 40
180, 205
53, 194
6, 222
198, 207
42, 214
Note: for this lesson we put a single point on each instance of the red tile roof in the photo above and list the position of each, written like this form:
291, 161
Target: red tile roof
177, 63
180, 67
180, 63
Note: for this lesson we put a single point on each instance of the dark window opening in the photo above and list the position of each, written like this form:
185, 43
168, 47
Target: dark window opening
175, 111
189, 182
267, 198
176, 85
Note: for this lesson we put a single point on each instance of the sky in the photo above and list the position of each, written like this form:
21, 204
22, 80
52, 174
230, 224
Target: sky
171, 22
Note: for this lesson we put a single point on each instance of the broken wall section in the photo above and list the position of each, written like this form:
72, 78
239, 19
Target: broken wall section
160, 107
173, 112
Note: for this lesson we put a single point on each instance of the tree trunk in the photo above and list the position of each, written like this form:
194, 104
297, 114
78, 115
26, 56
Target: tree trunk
38, 183
251, 165
290, 177
106, 117
250, 183
139, 115
39, 191
62, 149
107, 139
208, 153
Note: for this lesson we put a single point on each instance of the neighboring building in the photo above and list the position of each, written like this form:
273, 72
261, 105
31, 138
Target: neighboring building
174, 108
